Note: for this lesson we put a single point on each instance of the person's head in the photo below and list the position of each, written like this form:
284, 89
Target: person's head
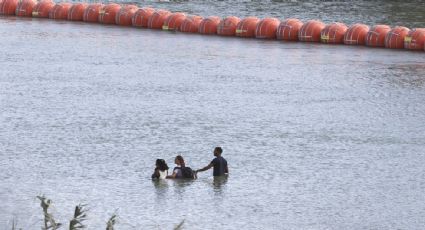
179, 160
218, 151
161, 165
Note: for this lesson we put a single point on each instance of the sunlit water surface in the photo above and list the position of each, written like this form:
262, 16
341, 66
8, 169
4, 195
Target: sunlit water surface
316, 136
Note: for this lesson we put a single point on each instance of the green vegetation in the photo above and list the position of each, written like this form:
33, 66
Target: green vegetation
77, 222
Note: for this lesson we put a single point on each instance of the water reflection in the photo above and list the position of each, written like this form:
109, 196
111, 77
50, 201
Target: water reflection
161, 188
219, 184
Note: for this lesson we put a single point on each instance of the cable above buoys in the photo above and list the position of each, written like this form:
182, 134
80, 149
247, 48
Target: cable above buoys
25, 7
266, 28
125, 15
415, 39
227, 26
76, 12
191, 24
174, 21
60, 11
395, 38
246, 27
333, 33
356, 34
310, 31
141, 17
376, 35
8, 7
288, 29
108, 13
209, 25
91, 14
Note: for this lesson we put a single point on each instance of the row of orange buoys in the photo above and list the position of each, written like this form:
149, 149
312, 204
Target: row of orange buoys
251, 27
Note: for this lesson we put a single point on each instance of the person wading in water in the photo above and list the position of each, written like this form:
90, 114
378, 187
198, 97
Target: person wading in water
219, 164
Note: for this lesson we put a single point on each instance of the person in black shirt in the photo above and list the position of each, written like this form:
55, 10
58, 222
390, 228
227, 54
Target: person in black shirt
219, 164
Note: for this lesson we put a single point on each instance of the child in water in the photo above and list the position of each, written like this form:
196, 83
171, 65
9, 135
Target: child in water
161, 169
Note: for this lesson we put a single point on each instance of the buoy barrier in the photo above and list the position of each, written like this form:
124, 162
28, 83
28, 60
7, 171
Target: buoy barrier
246, 27
141, 17
91, 14
209, 25
376, 35
333, 33
191, 24
174, 21
42, 9
8, 7
269, 28
76, 12
395, 38
60, 11
415, 39
108, 13
125, 15
288, 29
157, 19
227, 26
356, 34
310, 31
25, 7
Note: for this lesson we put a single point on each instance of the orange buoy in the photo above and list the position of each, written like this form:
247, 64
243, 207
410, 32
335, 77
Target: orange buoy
356, 35
91, 14
395, 38
76, 11
209, 25
333, 33
310, 31
246, 27
108, 13
227, 26
157, 19
125, 15
267, 28
8, 7
191, 24
25, 7
60, 11
288, 29
376, 36
141, 17
174, 21
415, 39
42, 9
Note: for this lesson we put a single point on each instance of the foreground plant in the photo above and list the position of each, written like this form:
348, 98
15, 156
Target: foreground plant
79, 216
179, 226
111, 222
49, 221
15, 225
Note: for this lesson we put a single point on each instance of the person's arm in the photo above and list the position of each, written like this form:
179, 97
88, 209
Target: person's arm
173, 176
226, 169
205, 168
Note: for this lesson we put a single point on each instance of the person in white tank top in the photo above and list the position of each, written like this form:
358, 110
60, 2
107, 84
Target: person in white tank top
161, 169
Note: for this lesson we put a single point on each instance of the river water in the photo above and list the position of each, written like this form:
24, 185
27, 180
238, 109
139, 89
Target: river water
316, 136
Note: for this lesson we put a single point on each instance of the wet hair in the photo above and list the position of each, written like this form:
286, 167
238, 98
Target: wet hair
181, 160
218, 149
161, 165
